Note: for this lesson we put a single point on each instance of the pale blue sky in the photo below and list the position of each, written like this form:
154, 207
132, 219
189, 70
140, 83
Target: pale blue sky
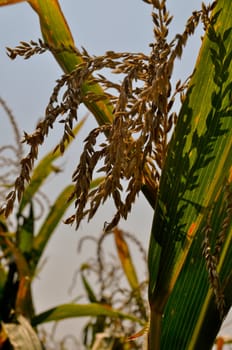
98, 25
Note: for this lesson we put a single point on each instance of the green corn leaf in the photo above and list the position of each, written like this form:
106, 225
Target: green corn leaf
194, 181
191, 311
62, 312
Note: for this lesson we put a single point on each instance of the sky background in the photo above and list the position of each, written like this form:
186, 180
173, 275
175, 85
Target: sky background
99, 26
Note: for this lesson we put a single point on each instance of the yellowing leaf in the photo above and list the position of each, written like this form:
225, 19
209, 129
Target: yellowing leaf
125, 258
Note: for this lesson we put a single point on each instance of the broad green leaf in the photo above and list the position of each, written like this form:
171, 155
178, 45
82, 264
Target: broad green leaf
191, 311
43, 170
193, 184
62, 312
21, 335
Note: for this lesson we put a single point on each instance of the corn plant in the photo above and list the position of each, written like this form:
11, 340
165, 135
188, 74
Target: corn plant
187, 181
22, 246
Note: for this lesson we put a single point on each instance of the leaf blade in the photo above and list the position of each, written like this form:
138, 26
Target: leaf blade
195, 173
80, 310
